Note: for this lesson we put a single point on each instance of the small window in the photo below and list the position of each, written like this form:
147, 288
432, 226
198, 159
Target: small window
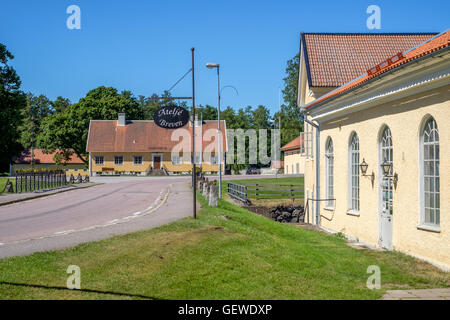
214, 159
99, 160
118, 160
137, 160
176, 160
197, 158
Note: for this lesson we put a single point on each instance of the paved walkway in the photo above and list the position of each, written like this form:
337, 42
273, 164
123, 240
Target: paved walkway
421, 294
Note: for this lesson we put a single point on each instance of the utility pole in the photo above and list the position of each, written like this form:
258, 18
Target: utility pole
193, 142
32, 137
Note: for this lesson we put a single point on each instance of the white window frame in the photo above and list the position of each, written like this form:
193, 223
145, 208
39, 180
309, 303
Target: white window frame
329, 172
138, 164
308, 142
434, 187
176, 160
353, 175
102, 162
214, 159
118, 164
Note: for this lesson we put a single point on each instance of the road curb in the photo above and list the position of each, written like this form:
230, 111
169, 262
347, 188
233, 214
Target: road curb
35, 196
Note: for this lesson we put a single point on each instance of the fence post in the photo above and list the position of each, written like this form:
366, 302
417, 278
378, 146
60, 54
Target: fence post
256, 191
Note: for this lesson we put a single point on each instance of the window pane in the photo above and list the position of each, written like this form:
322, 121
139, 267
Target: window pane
437, 184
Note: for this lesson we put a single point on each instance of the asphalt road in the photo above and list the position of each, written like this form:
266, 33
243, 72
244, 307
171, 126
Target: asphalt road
120, 205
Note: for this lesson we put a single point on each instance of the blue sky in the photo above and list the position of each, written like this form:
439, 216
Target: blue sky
144, 46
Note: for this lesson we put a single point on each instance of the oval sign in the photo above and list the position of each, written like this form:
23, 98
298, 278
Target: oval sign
171, 117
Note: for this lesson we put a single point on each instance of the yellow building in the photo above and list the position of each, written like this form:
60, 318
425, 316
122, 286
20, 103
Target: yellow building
294, 156
141, 147
378, 143
42, 160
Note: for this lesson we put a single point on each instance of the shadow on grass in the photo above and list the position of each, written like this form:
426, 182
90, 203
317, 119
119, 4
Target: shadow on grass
81, 290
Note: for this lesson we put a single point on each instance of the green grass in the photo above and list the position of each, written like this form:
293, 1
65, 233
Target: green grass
267, 199
3, 182
227, 253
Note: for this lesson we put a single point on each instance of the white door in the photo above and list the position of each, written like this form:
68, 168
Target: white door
386, 215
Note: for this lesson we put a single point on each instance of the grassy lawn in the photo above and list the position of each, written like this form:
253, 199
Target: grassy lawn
267, 199
227, 253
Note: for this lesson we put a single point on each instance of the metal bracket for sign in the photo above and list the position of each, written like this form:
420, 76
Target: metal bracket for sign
170, 98
191, 70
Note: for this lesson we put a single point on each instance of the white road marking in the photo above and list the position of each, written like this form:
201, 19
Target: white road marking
164, 194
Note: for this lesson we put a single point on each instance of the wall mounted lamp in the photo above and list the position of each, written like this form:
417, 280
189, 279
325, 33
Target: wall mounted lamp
363, 167
386, 167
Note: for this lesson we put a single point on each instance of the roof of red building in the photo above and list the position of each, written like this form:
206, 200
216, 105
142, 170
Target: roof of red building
294, 144
333, 59
41, 157
390, 62
145, 136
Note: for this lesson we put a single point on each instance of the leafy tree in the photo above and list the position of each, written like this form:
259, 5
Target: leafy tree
291, 126
210, 112
150, 105
60, 104
69, 129
12, 101
37, 108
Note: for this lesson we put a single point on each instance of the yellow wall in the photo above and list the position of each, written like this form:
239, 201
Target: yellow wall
147, 157
404, 118
291, 159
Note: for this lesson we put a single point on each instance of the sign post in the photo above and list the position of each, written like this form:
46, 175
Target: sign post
173, 116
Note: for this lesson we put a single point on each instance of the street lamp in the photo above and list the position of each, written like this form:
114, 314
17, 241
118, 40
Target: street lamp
217, 66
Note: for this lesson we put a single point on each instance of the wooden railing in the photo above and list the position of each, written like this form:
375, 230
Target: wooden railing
275, 191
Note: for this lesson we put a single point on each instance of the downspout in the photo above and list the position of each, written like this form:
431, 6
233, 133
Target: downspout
317, 126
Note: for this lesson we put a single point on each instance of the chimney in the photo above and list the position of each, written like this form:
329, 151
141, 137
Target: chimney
121, 120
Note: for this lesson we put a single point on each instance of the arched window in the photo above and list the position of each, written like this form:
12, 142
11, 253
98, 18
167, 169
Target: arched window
354, 173
430, 178
329, 173
387, 185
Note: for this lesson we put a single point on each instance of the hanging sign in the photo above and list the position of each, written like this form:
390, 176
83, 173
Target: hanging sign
171, 117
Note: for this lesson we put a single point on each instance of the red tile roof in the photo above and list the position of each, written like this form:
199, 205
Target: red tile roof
141, 136
433, 44
334, 59
293, 145
277, 164
41, 157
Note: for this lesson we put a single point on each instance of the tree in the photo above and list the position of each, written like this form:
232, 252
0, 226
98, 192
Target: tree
60, 104
12, 101
36, 109
69, 129
290, 114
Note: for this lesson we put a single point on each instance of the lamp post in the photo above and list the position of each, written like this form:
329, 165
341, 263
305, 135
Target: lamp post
217, 66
